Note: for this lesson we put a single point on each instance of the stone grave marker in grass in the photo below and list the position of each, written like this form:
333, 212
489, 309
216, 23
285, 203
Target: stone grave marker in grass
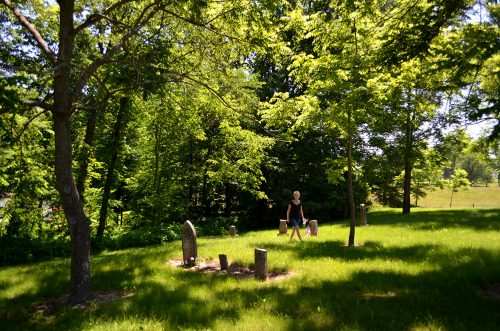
189, 245
362, 212
313, 225
283, 227
260, 263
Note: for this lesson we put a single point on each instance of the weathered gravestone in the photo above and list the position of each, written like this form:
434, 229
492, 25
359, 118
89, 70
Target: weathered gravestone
189, 245
223, 261
313, 225
283, 227
260, 263
362, 212
232, 230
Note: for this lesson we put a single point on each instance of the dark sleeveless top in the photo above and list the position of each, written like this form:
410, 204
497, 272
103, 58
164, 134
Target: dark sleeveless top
295, 210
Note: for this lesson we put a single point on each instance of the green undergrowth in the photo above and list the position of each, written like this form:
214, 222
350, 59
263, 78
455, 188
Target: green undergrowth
430, 270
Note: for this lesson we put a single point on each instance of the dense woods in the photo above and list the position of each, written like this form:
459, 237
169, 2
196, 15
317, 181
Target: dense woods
123, 116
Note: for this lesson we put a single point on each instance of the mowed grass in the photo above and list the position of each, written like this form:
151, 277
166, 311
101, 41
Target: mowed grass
423, 271
478, 197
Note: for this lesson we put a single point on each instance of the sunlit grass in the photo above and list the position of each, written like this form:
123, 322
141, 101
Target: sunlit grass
478, 197
416, 272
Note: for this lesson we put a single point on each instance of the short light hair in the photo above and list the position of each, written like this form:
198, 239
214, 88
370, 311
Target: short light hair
296, 193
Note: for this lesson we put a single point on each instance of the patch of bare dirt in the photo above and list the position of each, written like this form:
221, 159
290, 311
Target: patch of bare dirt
490, 291
52, 305
234, 270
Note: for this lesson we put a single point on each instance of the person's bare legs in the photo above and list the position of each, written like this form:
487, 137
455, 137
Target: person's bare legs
294, 229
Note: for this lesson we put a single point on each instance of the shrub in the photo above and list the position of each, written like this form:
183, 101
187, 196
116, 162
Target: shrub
24, 249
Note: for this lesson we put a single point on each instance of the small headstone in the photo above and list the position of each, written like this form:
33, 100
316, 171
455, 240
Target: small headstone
260, 263
223, 261
232, 230
283, 227
313, 225
189, 246
362, 212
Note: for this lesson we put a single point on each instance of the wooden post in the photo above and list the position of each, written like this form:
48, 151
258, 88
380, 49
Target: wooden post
260, 263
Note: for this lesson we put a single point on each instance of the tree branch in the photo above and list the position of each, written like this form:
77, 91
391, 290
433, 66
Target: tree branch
90, 70
32, 29
93, 18
202, 25
217, 95
25, 126
38, 103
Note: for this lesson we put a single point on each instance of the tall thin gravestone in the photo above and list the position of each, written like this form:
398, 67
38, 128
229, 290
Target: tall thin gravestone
232, 230
362, 212
283, 227
313, 225
189, 245
261, 263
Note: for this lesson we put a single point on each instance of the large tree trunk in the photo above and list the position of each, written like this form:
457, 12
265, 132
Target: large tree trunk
70, 199
73, 210
115, 148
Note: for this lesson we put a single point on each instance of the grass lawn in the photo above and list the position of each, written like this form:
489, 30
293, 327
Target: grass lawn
423, 271
478, 197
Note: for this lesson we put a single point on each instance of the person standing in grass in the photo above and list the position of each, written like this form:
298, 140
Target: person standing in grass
295, 214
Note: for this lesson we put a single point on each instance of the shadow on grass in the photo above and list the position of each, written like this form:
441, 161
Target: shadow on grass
394, 301
369, 300
369, 250
476, 219
14, 312
443, 298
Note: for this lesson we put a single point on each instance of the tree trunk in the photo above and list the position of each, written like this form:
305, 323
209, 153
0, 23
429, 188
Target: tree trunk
86, 152
115, 148
73, 210
228, 199
205, 204
352, 210
80, 290
408, 160
407, 188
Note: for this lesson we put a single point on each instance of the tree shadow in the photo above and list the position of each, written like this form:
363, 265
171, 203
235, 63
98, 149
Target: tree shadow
369, 250
392, 301
444, 297
372, 300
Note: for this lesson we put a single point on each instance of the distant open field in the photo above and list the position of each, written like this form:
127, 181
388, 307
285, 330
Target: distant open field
478, 197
